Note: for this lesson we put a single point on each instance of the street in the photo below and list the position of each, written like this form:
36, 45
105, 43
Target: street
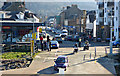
84, 62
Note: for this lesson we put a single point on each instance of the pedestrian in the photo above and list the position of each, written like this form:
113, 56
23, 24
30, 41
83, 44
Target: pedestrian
75, 48
50, 44
90, 38
45, 44
42, 47
80, 42
41, 40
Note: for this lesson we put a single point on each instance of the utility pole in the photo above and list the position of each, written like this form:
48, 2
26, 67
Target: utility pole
111, 34
33, 37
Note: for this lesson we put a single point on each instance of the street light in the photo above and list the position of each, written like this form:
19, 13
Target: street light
111, 32
33, 36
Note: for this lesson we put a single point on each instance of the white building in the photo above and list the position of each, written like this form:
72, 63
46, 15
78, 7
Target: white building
103, 18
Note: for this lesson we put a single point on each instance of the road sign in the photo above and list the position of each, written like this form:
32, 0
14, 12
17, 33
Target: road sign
40, 30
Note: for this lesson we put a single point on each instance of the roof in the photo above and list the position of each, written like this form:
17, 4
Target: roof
63, 56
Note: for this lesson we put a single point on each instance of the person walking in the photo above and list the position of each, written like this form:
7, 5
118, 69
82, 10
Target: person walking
75, 48
80, 42
42, 47
45, 44
41, 40
50, 44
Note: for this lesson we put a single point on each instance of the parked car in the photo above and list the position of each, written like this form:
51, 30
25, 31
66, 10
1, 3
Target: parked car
116, 43
58, 35
59, 39
58, 32
64, 33
76, 38
68, 38
54, 44
54, 31
48, 28
107, 40
99, 40
61, 62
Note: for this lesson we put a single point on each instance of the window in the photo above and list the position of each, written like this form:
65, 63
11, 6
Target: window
105, 19
105, 10
116, 18
116, 8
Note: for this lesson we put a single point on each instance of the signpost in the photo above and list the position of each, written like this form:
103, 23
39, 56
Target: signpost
32, 45
40, 30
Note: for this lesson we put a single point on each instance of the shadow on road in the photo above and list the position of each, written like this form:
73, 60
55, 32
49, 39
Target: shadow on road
69, 54
49, 70
107, 63
83, 62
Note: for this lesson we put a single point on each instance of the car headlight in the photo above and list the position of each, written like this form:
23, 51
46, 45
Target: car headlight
64, 65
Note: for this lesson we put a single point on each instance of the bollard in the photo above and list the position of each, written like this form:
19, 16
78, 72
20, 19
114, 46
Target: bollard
106, 51
84, 57
95, 51
94, 57
90, 55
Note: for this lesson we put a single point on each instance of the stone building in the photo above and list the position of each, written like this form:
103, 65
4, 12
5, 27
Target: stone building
74, 18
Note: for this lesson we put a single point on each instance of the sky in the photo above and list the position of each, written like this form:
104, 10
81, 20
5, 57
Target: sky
60, 0
52, 0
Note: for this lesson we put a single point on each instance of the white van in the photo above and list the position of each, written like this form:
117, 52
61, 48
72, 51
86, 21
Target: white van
64, 33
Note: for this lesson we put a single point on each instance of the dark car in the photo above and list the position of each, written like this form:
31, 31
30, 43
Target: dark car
76, 38
107, 40
59, 39
99, 40
68, 38
116, 43
61, 62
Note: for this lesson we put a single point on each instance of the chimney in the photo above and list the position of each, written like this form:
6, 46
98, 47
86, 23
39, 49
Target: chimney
74, 5
68, 7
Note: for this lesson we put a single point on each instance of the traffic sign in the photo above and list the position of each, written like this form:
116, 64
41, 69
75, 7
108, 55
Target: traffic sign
40, 30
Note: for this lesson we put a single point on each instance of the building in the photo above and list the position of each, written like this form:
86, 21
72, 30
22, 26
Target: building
107, 13
73, 18
17, 23
90, 23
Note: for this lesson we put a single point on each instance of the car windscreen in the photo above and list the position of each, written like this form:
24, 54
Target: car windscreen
69, 36
64, 32
53, 42
60, 60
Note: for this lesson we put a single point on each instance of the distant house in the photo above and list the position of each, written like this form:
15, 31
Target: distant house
17, 21
73, 16
13, 6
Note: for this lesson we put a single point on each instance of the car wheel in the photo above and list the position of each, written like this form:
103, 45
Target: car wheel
117, 45
65, 69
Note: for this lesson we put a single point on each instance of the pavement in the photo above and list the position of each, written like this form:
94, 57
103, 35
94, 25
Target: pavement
43, 63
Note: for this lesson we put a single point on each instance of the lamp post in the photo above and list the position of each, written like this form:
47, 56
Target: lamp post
111, 33
33, 37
